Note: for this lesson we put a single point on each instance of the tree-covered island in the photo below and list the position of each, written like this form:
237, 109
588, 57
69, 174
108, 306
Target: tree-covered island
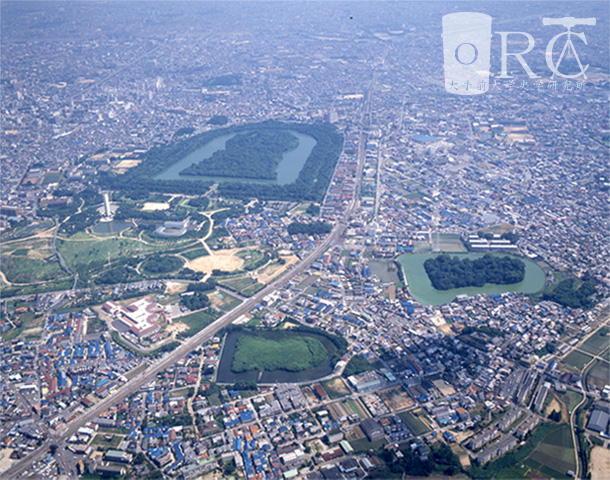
447, 272
254, 154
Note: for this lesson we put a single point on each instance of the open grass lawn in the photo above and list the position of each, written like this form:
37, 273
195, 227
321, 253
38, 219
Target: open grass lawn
251, 257
182, 392
223, 301
597, 342
236, 283
20, 269
512, 473
252, 289
83, 255
577, 360
196, 322
9, 335
195, 253
292, 354
363, 444
95, 324
308, 281
100, 440
571, 399
244, 285
49, 286
414, 423
52, 177
27, 321
385, 270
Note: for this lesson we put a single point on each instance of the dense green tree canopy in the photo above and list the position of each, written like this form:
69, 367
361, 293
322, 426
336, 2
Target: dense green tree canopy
311, 183
447, 272
254, 154
319, 228
572, 293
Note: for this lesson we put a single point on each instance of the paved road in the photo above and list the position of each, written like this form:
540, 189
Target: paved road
170, 358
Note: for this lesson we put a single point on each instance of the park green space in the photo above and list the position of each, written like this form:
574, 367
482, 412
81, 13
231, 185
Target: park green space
290, 354
448, 272
303, 173
196, 322
421, 288
278, 355
21, 269
241, 284
252, 155
30, 261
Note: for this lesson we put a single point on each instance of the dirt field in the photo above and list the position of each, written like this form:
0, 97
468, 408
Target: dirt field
437, 319
518, 137
561, 406
31, 331
396, 400
270, 273
600, 463
175, 287
154, 206
444, 387
553, 406
338, 386
446, 329
461, 436
5, 461
176, 327
128, 163
224, 260
462, 454
309, 395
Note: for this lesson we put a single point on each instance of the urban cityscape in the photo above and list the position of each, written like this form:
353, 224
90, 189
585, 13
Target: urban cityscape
304, 239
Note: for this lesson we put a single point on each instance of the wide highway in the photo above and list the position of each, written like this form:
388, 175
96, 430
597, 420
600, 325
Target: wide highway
207, 333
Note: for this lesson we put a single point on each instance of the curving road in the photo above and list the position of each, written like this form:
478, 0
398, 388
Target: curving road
170, 358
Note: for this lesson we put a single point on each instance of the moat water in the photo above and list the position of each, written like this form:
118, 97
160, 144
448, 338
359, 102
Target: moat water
287, 170
421, 288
